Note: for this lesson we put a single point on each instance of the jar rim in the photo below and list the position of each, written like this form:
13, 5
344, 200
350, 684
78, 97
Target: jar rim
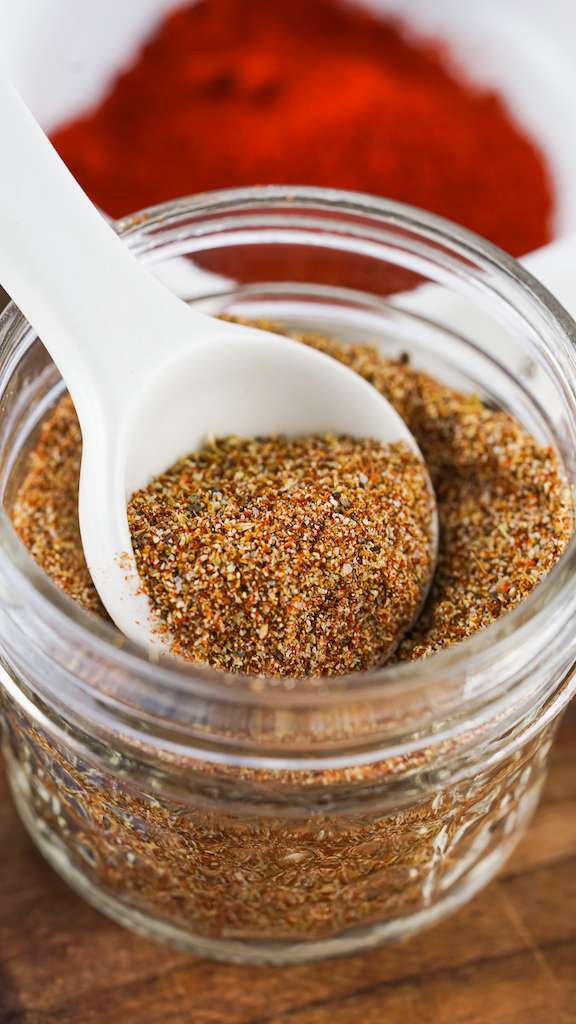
471, 656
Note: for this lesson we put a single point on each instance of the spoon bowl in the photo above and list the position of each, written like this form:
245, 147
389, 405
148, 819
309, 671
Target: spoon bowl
233, 381
150, 378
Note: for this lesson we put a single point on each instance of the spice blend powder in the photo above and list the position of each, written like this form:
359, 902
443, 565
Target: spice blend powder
284, 557
504, 511
274, 872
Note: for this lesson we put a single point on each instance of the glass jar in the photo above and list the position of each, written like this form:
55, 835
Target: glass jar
252, 821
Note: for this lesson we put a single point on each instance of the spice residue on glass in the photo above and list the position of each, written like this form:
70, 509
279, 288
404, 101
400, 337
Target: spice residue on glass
504, 510
259, 81
284, 557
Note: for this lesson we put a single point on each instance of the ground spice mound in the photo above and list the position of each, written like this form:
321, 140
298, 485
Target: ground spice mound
505, 512
285, 557
321, 93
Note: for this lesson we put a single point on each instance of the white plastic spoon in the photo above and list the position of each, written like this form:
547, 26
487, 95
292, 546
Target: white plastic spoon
149, 378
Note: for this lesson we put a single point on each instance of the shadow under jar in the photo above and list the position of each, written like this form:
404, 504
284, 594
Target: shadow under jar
262, 821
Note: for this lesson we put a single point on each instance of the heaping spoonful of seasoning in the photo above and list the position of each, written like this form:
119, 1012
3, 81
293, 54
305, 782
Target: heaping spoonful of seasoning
151, 379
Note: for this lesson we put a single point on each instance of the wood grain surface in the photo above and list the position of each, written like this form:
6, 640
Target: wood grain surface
507, 958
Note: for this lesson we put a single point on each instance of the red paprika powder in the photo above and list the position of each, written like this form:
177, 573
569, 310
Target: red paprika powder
241, 92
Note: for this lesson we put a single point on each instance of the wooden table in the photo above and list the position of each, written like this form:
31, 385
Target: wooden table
507, 958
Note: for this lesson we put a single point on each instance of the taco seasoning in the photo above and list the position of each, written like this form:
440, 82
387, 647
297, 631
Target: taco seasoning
279, 557
504, 511
220, 853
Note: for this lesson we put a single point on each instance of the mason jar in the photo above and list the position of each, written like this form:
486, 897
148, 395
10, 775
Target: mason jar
254, 821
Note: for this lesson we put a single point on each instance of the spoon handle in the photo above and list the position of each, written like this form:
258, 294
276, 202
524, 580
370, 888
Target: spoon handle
100, 314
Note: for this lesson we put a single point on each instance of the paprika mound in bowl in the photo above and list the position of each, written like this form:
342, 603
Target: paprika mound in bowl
273, 820
227, 94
